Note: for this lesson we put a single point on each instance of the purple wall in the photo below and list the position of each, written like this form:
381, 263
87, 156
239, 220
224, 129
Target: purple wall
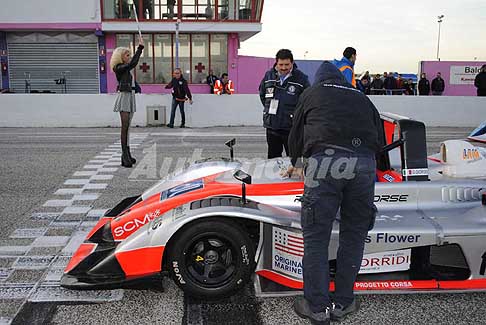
444, 67
251, 70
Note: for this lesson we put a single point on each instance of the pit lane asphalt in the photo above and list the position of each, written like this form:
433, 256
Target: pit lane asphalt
36, 162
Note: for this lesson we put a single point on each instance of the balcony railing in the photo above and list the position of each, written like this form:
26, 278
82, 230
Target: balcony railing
199, 10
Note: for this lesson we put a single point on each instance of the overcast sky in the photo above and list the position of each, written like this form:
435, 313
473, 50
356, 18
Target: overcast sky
388, 35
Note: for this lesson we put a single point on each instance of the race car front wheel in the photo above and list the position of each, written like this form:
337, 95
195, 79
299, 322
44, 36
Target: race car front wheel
211, 258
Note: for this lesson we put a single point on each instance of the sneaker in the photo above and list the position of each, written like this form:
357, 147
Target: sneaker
302, 308
339, 312
170, 126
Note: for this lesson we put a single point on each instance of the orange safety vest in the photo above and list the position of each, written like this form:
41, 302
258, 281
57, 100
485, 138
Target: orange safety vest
229, 88
218, 87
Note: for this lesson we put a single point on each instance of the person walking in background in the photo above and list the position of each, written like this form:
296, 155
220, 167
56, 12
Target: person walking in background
424, 85
280, 90
480, 81
346, 65
337, 128
180, 93
121, 64
224, 85
438, 85
211, 81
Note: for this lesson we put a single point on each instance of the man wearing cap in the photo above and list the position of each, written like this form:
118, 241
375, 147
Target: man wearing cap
346, 65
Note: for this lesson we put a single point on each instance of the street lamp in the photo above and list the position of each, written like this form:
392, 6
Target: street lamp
439, 20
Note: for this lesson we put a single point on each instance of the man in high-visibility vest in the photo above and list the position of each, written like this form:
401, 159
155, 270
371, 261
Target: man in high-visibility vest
224, 86
346, 65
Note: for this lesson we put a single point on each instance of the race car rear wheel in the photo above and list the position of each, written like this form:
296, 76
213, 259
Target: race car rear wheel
211, 258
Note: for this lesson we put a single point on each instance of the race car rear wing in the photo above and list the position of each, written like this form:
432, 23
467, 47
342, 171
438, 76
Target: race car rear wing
412, 143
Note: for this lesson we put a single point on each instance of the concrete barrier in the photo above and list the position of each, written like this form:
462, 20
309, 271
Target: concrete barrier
57, 110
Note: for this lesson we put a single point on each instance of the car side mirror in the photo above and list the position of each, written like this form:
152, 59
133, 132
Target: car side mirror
242, 177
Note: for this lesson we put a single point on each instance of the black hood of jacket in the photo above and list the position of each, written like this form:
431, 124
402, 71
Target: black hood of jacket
329, 73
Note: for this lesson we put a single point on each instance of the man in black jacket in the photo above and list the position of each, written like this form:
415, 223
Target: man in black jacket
423, 85
280, 89
339, 130
480, 81
180, 93
438, 85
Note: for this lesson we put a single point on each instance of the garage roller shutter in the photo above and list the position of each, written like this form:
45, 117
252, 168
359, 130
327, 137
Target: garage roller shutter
46, 61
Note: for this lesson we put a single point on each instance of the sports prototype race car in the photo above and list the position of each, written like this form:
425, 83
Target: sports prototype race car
217, 224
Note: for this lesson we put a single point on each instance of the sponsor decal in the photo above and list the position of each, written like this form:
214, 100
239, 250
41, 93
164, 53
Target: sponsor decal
389, 178
182, 189
383, 285
132, 225
415, 172
391, 198
287, 252
385, 238
471, 154
386, 262
179, 212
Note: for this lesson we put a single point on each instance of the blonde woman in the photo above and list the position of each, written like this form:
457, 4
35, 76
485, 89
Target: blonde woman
122, 63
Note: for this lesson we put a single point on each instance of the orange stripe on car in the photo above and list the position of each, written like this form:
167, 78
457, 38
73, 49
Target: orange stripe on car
142, 261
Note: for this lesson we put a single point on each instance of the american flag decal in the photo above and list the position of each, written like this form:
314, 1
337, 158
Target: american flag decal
288, 242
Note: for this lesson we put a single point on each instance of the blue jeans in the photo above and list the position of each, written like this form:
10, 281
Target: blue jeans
331, 184
175, 103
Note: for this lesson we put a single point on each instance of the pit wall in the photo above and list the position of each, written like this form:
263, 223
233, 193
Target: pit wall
57, 110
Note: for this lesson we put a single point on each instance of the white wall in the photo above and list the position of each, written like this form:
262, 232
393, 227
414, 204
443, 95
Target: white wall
50, 11
57, 110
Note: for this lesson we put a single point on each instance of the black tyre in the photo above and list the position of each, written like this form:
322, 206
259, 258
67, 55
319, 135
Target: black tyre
211, 258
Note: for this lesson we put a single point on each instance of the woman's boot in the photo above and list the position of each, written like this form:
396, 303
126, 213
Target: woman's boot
133, 160
125, 158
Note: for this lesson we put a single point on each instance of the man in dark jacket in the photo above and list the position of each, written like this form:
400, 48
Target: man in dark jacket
423, 85
180, 93
438, 85
480, 81
211, 80
377, 86
339, 130
280, 90
390, 83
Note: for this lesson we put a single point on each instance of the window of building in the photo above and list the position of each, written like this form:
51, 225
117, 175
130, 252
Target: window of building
163, 58
145, 68
198, 53
184, 55
200, 58
219, 54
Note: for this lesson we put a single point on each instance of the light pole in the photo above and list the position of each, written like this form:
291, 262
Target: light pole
439, 20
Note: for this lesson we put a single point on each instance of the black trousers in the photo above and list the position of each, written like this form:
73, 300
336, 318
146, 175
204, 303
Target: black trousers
277, 141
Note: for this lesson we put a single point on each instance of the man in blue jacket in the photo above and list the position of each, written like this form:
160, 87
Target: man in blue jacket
280, 90
346, 65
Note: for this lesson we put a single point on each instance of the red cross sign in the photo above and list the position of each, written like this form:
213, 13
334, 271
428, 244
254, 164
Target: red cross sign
144, 67
199, 67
